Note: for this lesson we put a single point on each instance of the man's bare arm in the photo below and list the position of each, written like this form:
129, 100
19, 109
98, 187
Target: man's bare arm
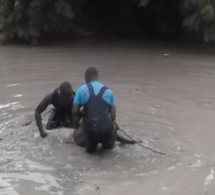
47, 100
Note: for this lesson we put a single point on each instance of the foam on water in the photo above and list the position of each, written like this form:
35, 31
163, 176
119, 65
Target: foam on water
45, 181
209, 179
2, 106
17, 95
12, 85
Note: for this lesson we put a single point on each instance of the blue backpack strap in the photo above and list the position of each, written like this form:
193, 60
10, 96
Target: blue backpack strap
102, 90
91, 91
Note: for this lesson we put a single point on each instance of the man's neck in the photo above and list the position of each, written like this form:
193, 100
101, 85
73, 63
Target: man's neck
94, 80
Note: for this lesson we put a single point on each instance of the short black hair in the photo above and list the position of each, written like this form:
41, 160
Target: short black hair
91, 73
66, 87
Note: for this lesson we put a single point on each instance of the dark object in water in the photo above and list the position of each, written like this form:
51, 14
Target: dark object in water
27, 123
161, 153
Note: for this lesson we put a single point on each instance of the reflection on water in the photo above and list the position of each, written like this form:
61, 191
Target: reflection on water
155, 96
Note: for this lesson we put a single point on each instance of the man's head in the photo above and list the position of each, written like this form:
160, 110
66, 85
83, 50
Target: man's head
66, 89
91, 74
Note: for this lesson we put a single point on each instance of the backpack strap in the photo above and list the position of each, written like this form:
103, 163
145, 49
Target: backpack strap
102, 91
90, 88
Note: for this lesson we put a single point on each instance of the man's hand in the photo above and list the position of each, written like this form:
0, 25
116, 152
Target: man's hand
43, 134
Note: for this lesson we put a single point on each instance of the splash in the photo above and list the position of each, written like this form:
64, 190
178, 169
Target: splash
2, 106
209, 179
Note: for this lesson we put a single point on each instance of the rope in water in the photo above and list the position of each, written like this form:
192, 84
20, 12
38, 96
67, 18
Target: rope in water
145, 147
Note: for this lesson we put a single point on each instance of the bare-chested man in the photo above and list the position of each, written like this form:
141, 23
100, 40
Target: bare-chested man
61, 115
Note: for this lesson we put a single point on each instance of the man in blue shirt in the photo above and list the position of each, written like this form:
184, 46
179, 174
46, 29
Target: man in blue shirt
99, 114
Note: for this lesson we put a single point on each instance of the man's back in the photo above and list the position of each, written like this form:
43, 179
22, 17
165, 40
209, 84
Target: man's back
97, 101
83, 94
100, 112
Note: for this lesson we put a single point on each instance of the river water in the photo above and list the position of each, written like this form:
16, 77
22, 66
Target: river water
165, 97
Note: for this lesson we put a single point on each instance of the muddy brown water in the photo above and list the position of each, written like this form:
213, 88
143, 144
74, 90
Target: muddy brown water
165, 97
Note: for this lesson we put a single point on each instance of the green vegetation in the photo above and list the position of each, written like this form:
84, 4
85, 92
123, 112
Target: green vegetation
31, 20
200, 17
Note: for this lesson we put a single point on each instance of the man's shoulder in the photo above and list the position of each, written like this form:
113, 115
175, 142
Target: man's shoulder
81, 95
81, 89
55, 95
109, 91
109, 97
56, 90
100, 85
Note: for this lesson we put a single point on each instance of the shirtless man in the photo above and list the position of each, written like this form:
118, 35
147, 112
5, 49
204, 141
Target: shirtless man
61, 115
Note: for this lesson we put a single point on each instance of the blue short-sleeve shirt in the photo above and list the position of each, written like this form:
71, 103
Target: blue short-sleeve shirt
82, 94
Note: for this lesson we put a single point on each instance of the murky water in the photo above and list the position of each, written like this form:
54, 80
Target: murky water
167, 101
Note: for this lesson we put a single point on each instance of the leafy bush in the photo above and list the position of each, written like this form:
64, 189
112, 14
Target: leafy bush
29, 19
200, 17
